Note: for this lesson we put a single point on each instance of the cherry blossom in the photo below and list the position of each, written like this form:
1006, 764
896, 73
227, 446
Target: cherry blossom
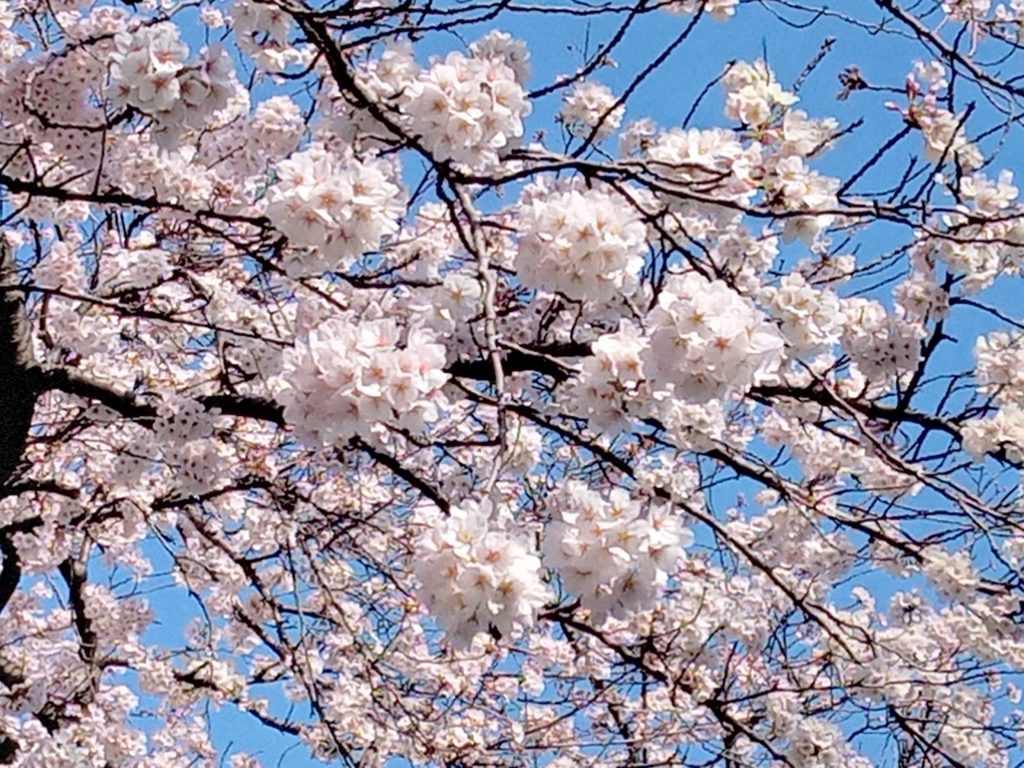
753, 95
477, 575
610, 552
706, 341
811, 320
361, 373
591, 107
149, 71
585, 244
337, 209
469, 109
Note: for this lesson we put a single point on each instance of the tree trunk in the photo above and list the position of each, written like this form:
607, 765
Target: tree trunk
18, 388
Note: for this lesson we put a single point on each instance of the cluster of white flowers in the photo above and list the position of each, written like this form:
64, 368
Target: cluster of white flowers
273, 131
637, 136
345, 375
800, 135
990, 196
11, 44
338, 208
880, 343
719, 9
477, 574
693, 426
585, 244
1002, 432
149, 72
693, 154
145, 67
990, 232
707, 159
459, 296
182, 442
385, 80
502, 47
612, 553
967, 10
810, 319
1000, 369
610, 378
951, 573
525, 444
797, 188
589, 105
978, 260
817, 743
753, 96
744, 255
183, 420
611, 390
262, 30
919, 295
707, 341
945, 139
468, 108
1010, 14
142, 264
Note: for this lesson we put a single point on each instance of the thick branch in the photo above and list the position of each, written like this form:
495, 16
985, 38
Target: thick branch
410, 477
129, 405
10, 570
17, 384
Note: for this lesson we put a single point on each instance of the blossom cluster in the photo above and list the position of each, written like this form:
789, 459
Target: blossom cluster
881, 343
11, 44
262, 30
467, 109
183, 435
150, 72
478, 573
464, 109
944, 133
49, 109
346, 375
991, 232
501, 47
590, 107
703, 159
614, 553
333, 210
703, 345
811, 319
1000, 368
795, 187
753, 95
945, 139
719, 9
611, 377
707, 341
803, 136
1000, 376
585, 244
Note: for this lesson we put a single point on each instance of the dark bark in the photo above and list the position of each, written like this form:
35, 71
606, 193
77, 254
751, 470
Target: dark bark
18, 379
10, 571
